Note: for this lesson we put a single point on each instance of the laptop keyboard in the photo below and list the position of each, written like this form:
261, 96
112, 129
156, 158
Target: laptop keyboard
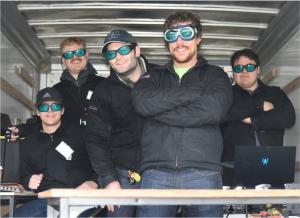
11, 187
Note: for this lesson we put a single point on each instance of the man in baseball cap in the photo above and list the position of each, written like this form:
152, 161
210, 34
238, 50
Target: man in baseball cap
112, 120
118, 36
54, 157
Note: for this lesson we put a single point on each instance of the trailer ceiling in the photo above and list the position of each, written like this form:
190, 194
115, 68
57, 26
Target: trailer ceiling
227, 25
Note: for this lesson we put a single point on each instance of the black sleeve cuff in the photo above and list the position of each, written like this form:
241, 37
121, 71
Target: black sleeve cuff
104, 181
94, 179
25, 182
259, 104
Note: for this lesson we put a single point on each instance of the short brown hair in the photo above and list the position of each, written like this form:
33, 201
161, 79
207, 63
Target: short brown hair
71, 40
178, 17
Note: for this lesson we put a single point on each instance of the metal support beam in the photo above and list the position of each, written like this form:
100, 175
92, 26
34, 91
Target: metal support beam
149, 6
291, 86
268, 77
16, 94
25, 76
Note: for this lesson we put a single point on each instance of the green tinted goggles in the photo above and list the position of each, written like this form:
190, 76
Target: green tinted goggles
124, 50
247, 67
70, 54
54, 107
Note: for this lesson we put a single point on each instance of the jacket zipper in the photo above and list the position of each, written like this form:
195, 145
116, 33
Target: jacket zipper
176, 149
176, 156
179, 85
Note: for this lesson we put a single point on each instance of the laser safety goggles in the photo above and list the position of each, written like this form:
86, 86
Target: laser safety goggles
123, 50
186, 33
54, 107
70, 54
247, 67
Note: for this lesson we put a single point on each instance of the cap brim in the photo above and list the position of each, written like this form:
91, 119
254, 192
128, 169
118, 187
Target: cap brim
49, 99
106, 44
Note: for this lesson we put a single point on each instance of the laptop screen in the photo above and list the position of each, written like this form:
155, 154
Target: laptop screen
10, 162
273, 165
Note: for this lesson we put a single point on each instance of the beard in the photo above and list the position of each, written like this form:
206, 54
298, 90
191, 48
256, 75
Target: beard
182, 58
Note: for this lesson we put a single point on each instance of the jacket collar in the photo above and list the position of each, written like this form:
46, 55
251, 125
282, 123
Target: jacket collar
260, 88
144, 66
169, 66
58, 133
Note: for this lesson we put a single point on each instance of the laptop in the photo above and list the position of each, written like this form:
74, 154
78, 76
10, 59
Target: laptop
274, 165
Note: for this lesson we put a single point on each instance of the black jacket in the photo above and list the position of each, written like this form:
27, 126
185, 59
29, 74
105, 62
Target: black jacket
76, 96
182, 129
269, 126
38, 155
77, 93
113, 129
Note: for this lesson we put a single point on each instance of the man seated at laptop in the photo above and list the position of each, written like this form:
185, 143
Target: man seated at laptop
259, 114
54, 157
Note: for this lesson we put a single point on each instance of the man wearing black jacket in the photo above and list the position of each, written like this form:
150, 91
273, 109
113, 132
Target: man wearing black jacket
78, 80
184, 102
259, 114
77, 84
113, 128
54, 157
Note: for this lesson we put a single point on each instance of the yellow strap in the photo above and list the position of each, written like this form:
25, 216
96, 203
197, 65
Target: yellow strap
3, 137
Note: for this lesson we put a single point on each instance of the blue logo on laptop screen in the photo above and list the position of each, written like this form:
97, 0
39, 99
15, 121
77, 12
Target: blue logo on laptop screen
265, 161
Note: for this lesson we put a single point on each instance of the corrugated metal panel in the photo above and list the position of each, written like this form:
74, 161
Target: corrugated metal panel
227, 25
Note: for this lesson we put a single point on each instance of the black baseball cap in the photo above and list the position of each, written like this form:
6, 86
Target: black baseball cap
118, 36
48, 94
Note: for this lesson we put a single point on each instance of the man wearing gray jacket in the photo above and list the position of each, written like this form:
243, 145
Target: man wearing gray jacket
184, 103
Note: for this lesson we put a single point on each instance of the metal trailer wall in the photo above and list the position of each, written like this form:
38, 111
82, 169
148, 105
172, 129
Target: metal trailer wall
22, 49
287, 62
10, 59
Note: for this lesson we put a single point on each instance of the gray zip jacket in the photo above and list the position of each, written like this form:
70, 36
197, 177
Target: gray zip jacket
183, 116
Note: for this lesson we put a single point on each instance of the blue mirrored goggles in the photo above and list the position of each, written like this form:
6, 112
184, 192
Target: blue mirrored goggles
70, 54
54, 107
187, 33
247, 67
123, 50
